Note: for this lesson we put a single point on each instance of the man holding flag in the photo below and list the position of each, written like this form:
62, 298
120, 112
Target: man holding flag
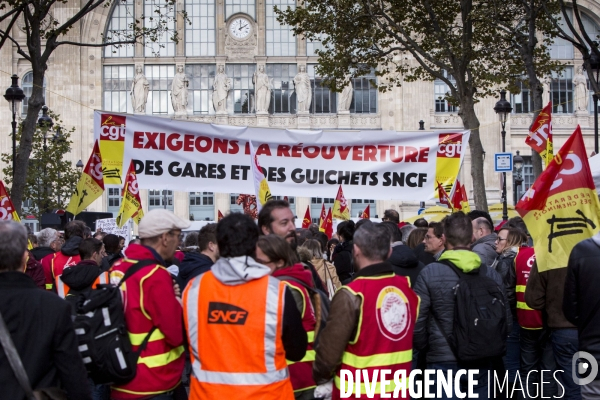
560, 210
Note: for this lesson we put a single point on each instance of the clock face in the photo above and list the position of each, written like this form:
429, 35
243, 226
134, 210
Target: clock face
240, 28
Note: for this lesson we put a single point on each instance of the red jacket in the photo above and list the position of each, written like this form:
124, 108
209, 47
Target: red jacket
149, 301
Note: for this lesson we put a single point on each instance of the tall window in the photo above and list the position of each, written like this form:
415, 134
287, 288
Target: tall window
280, 39
202, 206
114, 200
27, 83
324, 101
365, 94
117, 85
440, 88
200, 35
236, 6
283, 95
160, 78
240, 99
120, 24
359, 205
561, 90
160, 198
201, 77
522, 102
562, 49
164, 46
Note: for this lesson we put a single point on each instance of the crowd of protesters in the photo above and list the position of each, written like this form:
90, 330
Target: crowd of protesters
263, 310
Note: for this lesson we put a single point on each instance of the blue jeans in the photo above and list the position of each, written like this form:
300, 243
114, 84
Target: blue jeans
512, 359
537, 355
99, 392
481, 389
565, 344
163, 396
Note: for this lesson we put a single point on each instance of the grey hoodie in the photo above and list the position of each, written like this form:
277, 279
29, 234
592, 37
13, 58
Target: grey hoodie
238, 270
485, 247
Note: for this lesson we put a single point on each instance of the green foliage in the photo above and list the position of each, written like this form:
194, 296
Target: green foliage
51, 179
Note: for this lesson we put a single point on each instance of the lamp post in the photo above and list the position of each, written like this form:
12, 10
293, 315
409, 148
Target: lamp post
14, 95
79, 166
518, 162
503, 108
45, 122
595, 65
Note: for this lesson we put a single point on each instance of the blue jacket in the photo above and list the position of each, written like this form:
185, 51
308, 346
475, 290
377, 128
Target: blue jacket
193, 264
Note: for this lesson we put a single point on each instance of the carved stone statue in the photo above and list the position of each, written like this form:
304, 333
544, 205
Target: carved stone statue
546, 81
139, 91
581, 91
221, 86
179, 92
303, 90
345, 98
262, 88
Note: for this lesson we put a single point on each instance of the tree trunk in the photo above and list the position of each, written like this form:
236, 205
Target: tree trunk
470, 121
35, 103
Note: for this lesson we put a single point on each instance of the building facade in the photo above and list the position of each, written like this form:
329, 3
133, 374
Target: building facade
242, 37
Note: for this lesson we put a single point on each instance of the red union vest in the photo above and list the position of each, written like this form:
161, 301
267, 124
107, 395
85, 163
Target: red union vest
528, 318
384, 338
60, 261
301, 371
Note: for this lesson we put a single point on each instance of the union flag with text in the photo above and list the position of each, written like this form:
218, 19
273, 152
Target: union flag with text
328, 224
340, 206
7, 210
131, 205
112, 147
561, 208
90, 185
322, 218
540, 135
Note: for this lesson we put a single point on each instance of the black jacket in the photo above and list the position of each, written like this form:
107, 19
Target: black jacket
193, 264
505, 266
342, 261
71, 246
40, 326
581, 303
405, 263
423, 256
109, 260
41, 252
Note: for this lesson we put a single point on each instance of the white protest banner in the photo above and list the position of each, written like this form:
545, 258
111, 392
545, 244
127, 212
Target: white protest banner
109, 225
191, 156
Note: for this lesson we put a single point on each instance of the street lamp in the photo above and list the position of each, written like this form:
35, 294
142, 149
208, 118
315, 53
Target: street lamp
518, 162
45, 122
79, 166
503, 108
14, 95
595, 65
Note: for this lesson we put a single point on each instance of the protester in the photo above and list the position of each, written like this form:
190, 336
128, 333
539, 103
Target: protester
480, 214
69, 252
434, 241
406, 230
39, 324
357, 335
113, 251
200, 261
391, 216
274, 252
237, 355
342, 254
325, 269
331, 244
322, 239
48, 243
580, 303
403, 259
190, 243
416, 237
35, 271
435, 286
152, 306
484, 241
32, 240
421, 223
99, 235
361, 222
302, 235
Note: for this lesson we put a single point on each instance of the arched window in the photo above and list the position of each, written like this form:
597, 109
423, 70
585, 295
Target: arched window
120, 23
27, 84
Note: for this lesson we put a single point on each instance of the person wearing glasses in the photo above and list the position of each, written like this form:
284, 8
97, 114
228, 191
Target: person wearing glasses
391, 216
435, 240
151, 303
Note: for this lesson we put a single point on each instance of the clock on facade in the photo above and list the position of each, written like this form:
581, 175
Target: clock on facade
240, 28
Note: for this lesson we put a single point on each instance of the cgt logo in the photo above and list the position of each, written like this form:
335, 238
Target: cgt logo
112, 127
450, 145
223, 313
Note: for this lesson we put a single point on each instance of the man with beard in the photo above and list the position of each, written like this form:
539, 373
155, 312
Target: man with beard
276, 218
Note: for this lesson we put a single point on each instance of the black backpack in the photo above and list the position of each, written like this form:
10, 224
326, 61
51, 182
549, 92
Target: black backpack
320, 302
103, 342
480, 327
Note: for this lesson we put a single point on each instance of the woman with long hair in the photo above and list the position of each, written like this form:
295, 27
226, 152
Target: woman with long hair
416, 237
342, 255
325, 269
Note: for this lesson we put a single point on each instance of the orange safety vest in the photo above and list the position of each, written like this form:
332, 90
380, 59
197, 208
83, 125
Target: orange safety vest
63, 289
234, 334
384, 338
528, 318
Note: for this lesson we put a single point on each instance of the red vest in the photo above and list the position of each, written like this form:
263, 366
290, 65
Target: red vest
384, 338
60, 261
301, 371
527, 317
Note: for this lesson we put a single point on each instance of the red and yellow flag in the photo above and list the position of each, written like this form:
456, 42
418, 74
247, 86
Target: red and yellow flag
540, 135
90, 185
443, 196
306, 221
328, 224
219, 215
261, 187
322, 218
456, 200
131, 205
340, 206
366, 214
561, 208
7, 210
112, 146
464, 200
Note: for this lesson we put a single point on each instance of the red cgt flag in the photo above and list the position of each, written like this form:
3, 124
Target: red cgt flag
366, 214
540, 135
328, 224
219, 215
322, 218
306, 221
457, 197
444, 199
7, 210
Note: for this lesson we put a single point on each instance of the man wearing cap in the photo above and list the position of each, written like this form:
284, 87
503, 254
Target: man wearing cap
152, 308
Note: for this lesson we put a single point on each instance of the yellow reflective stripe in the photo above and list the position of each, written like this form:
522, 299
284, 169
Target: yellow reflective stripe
377, 360
309, 356
523, 306
521, 288
160, 360
390, 387
142, 291
311, 336
118, 389
48, 286
136, 339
